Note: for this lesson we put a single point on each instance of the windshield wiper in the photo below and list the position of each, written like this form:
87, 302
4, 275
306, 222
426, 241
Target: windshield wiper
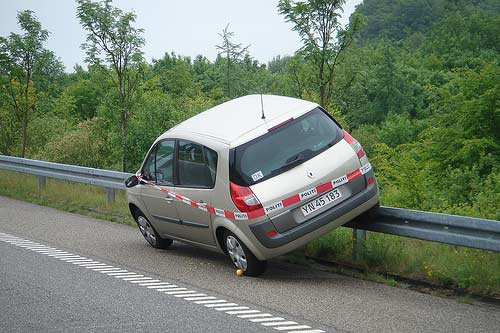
292, 161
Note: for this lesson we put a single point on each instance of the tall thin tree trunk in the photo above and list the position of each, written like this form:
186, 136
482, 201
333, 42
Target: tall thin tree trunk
228, 73
25, 113
24, 133
124, 142
322, 95
123, 125
123, 118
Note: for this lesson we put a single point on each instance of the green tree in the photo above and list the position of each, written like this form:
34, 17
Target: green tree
374, 82
206, 74
462, 37
396, 20
112, 40
324, 40
19, 56
176, 75
232, 53
278, 64
88, 89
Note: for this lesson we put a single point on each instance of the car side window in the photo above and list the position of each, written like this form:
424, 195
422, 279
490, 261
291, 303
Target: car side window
165, 162
197, 165
148, 170
211, 160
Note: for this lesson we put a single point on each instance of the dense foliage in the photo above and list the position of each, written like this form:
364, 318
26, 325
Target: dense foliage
419, 87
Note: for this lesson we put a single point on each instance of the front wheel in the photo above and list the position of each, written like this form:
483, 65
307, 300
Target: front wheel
241, 257
150, 234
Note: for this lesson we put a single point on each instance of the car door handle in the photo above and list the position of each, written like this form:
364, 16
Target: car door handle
169, 199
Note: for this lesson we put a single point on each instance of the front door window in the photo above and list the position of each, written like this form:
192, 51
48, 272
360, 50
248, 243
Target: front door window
164, 163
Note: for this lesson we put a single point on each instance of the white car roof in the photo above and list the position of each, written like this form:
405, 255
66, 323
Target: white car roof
231, 121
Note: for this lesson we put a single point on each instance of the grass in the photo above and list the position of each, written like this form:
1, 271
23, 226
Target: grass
471, 270
73, 197
474, 271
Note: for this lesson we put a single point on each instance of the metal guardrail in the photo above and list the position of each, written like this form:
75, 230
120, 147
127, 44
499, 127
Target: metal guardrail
111, 180
442, 228
436, 227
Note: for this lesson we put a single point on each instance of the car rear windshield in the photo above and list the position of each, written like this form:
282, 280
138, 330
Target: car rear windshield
283, 148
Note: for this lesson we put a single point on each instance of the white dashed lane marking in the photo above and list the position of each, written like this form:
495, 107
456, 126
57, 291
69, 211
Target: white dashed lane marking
267, 320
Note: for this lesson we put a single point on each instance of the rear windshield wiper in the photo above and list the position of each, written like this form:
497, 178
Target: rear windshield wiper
292, 161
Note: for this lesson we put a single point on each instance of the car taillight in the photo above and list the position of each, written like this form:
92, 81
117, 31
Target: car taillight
272, 233
280, 125
354, 144
243, 198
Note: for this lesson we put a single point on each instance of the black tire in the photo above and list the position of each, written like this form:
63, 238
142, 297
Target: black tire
149, 233
237, 250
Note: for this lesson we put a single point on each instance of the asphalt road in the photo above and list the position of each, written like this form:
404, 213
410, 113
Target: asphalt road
56, 274
38, 293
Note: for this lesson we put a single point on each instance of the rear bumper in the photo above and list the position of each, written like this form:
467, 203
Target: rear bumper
330, 216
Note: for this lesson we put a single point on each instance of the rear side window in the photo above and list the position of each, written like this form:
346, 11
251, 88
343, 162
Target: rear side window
197, 165
283, 148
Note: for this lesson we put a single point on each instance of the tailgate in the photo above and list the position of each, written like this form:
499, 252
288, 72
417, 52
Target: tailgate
297, 186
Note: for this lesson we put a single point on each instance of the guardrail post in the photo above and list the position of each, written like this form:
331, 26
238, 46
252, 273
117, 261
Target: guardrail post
110, 195
41, 181
359, 237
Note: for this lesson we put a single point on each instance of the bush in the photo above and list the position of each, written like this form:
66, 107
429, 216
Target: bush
86, 145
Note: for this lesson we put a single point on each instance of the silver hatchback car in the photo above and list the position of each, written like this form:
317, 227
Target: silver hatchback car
254, 178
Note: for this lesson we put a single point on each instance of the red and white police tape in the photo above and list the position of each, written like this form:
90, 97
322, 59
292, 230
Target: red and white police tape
304, 195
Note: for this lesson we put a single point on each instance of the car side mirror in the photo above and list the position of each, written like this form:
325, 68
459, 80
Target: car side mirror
131, 181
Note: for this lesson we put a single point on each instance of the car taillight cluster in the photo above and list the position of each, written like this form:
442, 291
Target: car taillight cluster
358, 149
354, 144
244, 199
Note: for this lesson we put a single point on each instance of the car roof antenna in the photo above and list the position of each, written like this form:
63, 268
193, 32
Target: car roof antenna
262, 107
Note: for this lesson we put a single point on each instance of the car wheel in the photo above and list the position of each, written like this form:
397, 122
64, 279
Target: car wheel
241, 257
150, 234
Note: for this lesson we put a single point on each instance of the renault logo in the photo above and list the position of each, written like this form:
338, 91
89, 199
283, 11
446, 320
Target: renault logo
310, 174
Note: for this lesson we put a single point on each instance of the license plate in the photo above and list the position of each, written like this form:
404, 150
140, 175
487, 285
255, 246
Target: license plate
321, 201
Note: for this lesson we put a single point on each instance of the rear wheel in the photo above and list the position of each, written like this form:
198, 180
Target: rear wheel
150, 234
241, 257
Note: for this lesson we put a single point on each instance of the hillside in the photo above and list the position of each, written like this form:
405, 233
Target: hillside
427, 103
396, 20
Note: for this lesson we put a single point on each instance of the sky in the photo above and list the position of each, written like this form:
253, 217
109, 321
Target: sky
186, 27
